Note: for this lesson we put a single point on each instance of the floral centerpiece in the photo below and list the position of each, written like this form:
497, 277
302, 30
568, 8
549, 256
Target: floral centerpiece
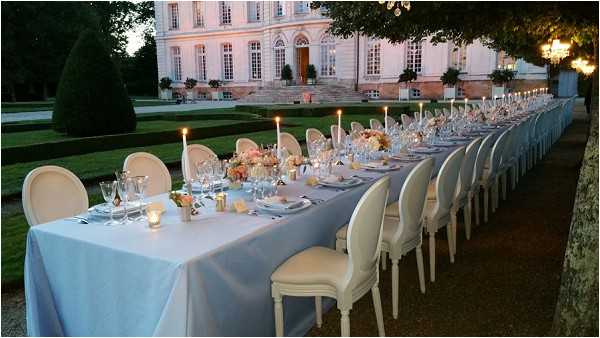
238, 170
377, 140
437, 122
185, 203
294, 161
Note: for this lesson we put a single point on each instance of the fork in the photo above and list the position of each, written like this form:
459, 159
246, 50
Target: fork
79, 219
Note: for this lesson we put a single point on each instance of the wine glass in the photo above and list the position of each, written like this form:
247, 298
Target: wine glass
140, 183
124, 185
109, 192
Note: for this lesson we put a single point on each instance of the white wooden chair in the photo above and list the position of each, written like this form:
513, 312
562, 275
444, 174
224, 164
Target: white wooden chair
482, 154
323, 272
356, 126
489, 178
403, 229
406, 120
313, 134
244, 144
391, 122
196, 153
146, 164
50, 193
375, 124
437, 112
334, 135
506, 161
289, 142
428, 115
439, 203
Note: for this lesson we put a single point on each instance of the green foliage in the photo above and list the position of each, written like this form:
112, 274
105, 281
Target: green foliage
519, 28
165, 83
286, 73
450, 77
91, 98
408, 75
214, 83
502, 76
190, 83
311, 71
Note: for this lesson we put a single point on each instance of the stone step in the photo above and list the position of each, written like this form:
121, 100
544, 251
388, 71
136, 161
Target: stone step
321, 94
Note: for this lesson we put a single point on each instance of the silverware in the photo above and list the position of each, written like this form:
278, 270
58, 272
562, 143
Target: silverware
78, 219
313, 200
253, 212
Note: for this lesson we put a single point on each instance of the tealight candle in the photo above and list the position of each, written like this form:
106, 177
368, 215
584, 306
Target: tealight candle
221, 200
292, 174
153, 218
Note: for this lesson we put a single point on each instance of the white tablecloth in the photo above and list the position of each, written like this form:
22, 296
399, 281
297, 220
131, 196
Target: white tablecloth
209, 277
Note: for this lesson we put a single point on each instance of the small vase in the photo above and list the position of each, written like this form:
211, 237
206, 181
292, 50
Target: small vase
185, 213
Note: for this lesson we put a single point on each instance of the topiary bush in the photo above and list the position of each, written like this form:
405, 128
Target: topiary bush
286, 73
311, 72
502, 76
450, 77
91, 98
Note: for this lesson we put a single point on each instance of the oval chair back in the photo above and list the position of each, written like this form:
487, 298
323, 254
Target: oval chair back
411, 204
334, 135
428, 115
466, 170
376, 124
313, 134
391, 122
356, 126
50, 193
146, 164
197, 153
289, 142
482, 154
437, 112
446, 181
406, 120
244, 144
364, 232
508, 146
496, 153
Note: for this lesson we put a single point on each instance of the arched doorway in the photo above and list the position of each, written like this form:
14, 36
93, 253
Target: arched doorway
302, 58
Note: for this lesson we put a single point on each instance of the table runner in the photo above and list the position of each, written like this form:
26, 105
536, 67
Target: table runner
209, 277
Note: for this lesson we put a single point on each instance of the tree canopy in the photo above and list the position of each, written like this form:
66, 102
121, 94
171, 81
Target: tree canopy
518, 28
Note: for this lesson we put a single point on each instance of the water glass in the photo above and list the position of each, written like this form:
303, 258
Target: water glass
124, 187
109, 192
140, 183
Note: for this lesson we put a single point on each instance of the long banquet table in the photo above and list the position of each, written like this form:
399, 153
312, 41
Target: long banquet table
209, 277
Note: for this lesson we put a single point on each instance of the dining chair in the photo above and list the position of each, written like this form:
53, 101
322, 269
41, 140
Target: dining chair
462, 199
289, 142
440, 196
482, 154
323, 272
50, 193
406, 120
391, 122
197, 153
146, 164
403, 230
428, 115
506, 160
334, 135
376, 124
313, 134
244, 144
356, 126
437, 112
489, 178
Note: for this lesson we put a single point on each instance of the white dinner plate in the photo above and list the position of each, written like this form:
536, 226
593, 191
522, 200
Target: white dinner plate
103, 209
304, 203
426, 150
381, 167
408, 157
197, 187
346, 183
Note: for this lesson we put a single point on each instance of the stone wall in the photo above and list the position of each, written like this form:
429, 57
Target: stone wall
577, 307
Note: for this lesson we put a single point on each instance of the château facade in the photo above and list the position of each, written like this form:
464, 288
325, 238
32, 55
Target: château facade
245, 44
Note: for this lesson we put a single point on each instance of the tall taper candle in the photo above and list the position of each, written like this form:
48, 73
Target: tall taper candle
495, 98
385, 117
339, 134
483, 103
452, 108
420, 111
188, 173
278, 136
466, 100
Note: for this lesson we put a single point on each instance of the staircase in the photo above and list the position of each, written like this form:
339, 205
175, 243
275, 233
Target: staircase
320, 94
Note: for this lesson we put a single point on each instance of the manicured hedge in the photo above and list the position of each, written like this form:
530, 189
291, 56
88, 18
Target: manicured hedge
29, 126
44, 151
319, 110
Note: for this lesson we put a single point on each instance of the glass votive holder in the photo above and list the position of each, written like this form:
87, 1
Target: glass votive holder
153, 218
221, 202
292, 174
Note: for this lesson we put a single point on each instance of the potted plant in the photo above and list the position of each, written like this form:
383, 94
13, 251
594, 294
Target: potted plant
500, 77
214, 83
406, 77
449, 80
286, 74
165, 88
311, 74
189, 86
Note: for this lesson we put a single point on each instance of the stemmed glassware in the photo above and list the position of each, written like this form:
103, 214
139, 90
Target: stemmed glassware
124, 185
109, 192
139, 186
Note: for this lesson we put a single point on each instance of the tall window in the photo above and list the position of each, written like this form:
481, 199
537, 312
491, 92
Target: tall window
279, 53
173, 16
373, 58
327, 56
227, 62
279, 8
255, 60
198, 8
254, 11
301, 7
458, 57
176, 60
201, 62
505, 61
225, 12
414, 55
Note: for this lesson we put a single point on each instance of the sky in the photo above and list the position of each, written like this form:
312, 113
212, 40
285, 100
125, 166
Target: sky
135, 39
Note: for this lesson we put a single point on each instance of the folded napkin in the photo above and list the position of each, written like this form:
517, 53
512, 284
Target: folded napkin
280, 202
333, 179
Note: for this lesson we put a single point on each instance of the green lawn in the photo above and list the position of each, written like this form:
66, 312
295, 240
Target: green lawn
48, 135
19, 107
14, 226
